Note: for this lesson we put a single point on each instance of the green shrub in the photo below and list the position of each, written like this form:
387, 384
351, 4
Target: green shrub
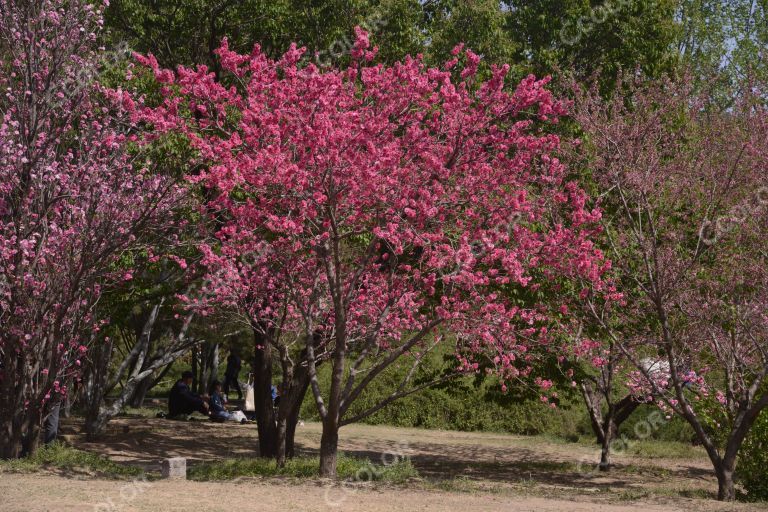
461, 406
469, 404
676, 429
752, 468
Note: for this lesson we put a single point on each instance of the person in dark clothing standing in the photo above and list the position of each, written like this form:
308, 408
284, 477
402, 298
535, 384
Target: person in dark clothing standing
182, 400
51, 423
232, 373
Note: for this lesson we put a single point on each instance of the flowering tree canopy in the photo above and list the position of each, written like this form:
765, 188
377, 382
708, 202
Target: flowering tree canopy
73, 203
687, 191
382, 206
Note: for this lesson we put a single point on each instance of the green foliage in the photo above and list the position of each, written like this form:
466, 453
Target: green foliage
675, 430
476, 404
465, 403
481, 24
590, 36
655, 449
349, 468
752, 467
187, 32
60, 457
723, 42
532, 36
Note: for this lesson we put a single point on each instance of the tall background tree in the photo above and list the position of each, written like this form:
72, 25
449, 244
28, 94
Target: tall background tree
685, 193
723, 43
75, 206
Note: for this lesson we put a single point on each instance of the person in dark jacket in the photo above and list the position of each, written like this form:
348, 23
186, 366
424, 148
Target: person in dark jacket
232, 373
182, 400
51, 423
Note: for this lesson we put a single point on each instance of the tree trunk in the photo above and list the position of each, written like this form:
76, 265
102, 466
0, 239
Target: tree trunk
291, 398
207, 370
329, 444
293, 416
262, 391
196, 368
31, 432
96, 387
593, 408
282, 433
95, 423
290, 435
137, 400
214, 364
66, 410
11, 440
11, 419
725, 488
606, 426
609, 432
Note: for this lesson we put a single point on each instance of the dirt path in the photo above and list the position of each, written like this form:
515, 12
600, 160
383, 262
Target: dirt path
37, 493
461, 471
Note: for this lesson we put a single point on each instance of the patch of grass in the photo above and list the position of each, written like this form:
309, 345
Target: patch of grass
632, 494
348, 468
701, 494
545, 466
645, 470
653, 449
144, 412
677, 492
64, 458
463, 484
399, 473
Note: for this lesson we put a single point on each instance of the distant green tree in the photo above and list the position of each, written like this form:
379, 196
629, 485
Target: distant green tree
724, 42
591, 36
188, 31
481, 24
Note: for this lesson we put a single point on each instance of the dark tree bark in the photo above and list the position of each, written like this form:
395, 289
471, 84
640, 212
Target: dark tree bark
606, 424
329, 448
277, 425
262, 391
15, 421
292, 391
97, 385
293, 421
137, 400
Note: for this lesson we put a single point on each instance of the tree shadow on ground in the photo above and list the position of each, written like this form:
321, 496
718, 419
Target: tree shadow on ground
145, 442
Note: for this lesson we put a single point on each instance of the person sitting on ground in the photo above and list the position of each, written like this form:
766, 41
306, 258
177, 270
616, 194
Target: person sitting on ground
218, 410
182, 401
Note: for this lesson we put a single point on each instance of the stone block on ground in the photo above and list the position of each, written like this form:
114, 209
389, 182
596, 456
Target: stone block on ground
175, 468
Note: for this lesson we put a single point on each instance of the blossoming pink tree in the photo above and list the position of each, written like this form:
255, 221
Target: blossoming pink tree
73, 205
402, 205
685, 193
247, 278
599, 369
